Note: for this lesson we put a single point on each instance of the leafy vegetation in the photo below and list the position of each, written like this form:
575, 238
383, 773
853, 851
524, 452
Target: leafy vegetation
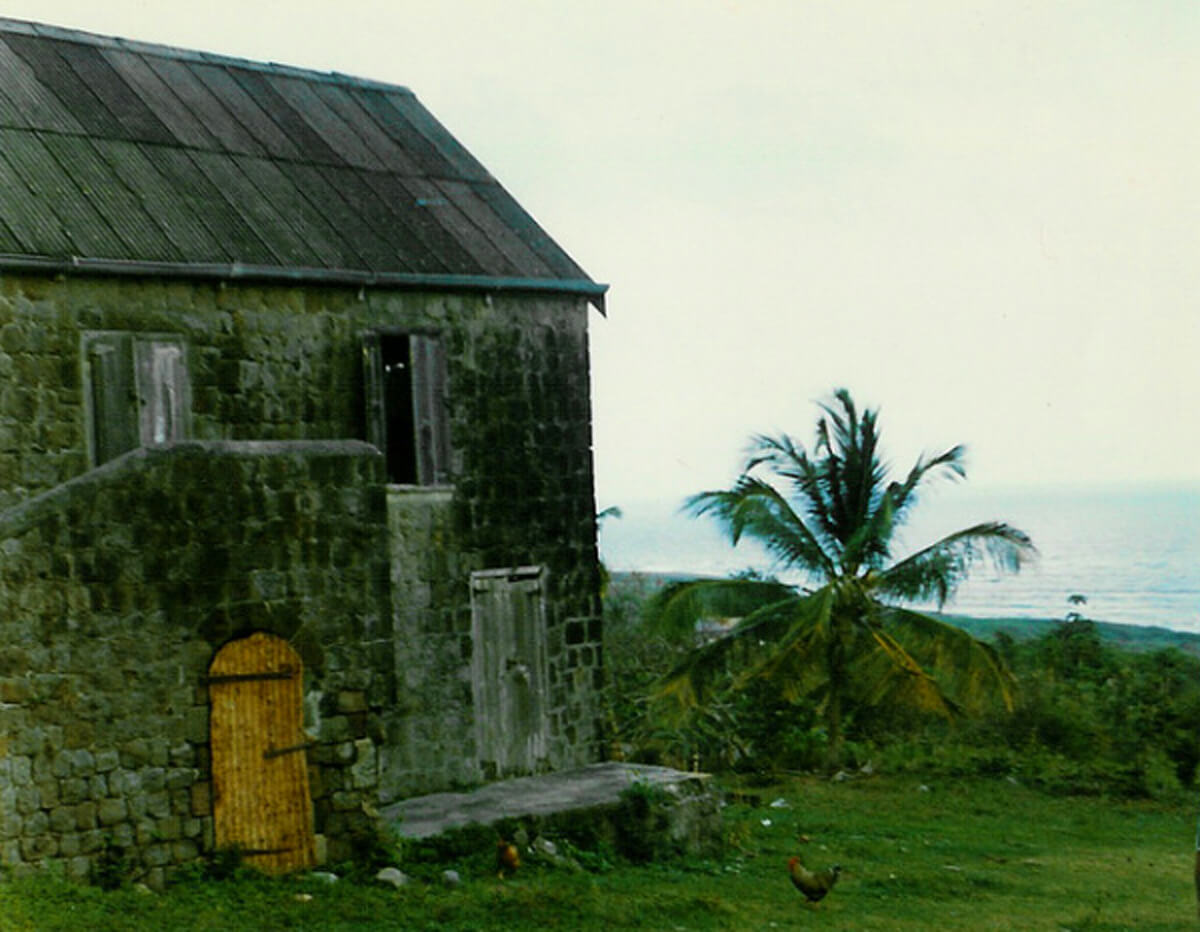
1090, 715
832, 516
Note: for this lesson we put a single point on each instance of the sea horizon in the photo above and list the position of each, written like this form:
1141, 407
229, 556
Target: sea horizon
1132, 550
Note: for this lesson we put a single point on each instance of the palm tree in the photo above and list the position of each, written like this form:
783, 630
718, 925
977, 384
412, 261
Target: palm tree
833, 518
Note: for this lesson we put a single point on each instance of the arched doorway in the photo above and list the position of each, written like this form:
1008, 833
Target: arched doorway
261, 801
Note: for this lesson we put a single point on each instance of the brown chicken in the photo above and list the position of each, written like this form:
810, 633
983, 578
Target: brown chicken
813, 884
508, 858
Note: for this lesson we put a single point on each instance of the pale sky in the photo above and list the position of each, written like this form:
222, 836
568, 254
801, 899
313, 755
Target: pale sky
983, 217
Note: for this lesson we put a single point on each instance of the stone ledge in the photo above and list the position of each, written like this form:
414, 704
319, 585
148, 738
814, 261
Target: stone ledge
691, 807
21, 516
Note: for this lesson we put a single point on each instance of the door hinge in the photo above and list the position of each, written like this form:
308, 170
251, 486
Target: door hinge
279, 752
285, 674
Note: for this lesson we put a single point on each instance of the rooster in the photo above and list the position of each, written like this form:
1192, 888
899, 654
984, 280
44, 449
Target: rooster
813, 884
508, 858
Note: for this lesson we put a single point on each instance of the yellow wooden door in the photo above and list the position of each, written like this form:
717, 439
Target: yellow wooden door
261, 801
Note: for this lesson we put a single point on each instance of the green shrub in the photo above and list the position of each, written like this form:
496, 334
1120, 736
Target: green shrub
641, 823
111, 867
371, 849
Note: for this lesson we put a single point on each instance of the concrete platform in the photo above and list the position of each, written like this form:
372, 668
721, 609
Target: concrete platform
692, 815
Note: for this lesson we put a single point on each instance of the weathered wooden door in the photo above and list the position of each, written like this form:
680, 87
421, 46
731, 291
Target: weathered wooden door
508, 621
261, 801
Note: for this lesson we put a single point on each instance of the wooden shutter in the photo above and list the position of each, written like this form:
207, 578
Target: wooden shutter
114, 404
162, 388
373, 391
428, 359
420, 450
261, 801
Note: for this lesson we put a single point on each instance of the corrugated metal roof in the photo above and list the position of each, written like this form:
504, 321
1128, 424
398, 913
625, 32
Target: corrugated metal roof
129, 158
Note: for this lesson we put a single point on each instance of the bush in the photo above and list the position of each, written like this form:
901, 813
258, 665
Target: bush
641, 823
111, 867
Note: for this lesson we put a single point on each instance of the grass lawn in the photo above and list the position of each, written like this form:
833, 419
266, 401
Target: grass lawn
953, 855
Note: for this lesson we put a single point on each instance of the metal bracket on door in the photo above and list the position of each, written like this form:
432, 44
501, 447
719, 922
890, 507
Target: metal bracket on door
249, 677
279, 752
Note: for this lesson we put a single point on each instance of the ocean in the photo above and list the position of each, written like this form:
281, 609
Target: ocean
1133, 552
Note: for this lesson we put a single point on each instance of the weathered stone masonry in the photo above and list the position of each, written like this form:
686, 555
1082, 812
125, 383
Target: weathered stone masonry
522, 496
115, 590
118, 585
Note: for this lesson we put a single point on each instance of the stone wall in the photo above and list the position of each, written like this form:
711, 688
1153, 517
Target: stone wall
429, 745
116, 590
285, 363
525, 493
522, 496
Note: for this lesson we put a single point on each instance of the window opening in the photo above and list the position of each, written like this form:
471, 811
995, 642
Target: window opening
406, 405
137, 390
401, 452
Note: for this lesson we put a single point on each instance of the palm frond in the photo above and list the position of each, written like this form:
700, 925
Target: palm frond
951, 463
874, 668
967, 669
853, 476
786, 459
756, 509
675, 609
845, 422
692, 680
936, 571
782, 453
798, 663
884, 674
817, 482
870, 544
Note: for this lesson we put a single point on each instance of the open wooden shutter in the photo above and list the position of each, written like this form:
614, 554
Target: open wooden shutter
428, 358
114, 403
373, 391
162, 388
404, 389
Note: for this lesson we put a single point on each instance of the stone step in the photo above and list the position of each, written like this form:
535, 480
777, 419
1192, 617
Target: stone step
685, 805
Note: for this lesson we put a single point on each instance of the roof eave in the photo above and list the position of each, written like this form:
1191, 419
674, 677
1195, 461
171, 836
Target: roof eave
237, 271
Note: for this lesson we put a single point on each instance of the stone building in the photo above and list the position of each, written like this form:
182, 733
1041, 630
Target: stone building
296, 504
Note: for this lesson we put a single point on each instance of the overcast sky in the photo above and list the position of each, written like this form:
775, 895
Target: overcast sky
983, 217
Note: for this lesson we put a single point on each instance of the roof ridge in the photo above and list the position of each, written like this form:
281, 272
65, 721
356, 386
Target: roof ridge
161, 50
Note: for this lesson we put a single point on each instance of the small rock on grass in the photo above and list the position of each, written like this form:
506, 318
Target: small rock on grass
450, 878
543, 849
393, 876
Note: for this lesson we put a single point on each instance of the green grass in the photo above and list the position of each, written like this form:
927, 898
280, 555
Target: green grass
954, 855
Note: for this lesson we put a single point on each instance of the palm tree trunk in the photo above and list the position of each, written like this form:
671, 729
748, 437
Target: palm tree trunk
833, 727
836, 660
